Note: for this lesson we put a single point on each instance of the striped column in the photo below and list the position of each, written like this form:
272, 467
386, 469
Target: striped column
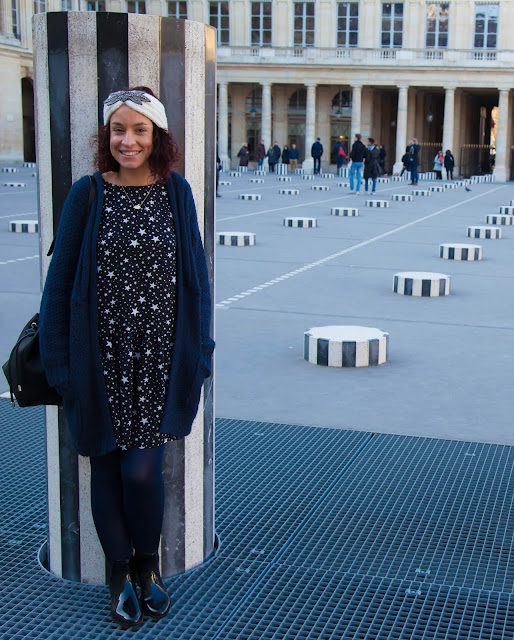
79, 59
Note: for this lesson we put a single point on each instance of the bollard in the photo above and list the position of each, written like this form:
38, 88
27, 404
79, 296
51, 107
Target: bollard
79, 59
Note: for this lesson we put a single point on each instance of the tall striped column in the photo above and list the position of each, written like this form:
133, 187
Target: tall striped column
79, 59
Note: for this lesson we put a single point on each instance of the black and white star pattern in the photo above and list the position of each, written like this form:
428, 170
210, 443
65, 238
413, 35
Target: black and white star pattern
137, 275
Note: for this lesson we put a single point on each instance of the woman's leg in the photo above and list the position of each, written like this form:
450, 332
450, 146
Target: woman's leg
107, 507
143, 496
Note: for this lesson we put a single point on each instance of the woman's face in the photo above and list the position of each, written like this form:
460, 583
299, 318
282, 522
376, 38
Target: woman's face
131, 139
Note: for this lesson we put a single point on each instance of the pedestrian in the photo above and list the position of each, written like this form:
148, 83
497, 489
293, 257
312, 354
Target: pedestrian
381, 159
243, 155
218, 169
316, 153
405, 161
285, 155
341, 154
371, 165
277, 151
124, 335
271, 158
357, 155
414, 161
294, 156
438, 164
449, 164
260, 154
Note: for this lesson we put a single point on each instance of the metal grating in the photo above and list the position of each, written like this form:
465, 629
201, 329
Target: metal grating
325, 534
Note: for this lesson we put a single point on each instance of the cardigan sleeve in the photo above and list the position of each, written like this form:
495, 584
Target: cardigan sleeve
54, 317
203, 278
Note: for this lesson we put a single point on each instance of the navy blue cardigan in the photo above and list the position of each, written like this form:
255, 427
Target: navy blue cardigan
69, 327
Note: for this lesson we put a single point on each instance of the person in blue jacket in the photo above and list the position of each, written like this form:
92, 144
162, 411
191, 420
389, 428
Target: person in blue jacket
125, 335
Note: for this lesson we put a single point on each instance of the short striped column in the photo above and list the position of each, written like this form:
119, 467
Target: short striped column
377, 203
421, 192
437, 188
29, 165
451, 185
284, 179
289, 192
260, 172
343, 184
79, 58
345, 346
398, 178
299, 172
234, 174
320, 187
428, 175
343, 172
281, 169
489, 233
421, 284
383, 180
326, 176
308, 176
243, 169
511, 203
401, 197
24, 226
460, 183
504, 220
301, 223
15, 184
250, 196
465, 252
225, 183
256, 180
344, 211
507, 210
9, 170
236, 238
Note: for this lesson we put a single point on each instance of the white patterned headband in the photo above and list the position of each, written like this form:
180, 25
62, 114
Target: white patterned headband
139, 101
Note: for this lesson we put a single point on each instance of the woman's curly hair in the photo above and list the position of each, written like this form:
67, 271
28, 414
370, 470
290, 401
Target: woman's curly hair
164, 156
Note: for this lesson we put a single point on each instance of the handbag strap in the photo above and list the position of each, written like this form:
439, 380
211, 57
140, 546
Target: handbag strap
92, 196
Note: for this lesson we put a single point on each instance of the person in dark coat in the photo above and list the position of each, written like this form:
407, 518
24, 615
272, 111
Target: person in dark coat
414, 149
218, 169
272, 159
340, 154
125, 335
277, 151
243, 155
449, 164
316, 153
382, 158
371, 165
405, 161
260, 154
285, 155
294, 156
357, 155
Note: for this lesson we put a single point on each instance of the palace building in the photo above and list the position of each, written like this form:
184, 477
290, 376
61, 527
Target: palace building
291, 71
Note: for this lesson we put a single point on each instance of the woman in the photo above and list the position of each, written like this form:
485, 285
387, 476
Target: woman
438, 164
260, 154
371, 165
449, 164
285, 154
272, 160
243, 155
124, 336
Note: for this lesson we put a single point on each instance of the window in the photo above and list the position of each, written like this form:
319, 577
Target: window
96, 5
437, 24
67, 5
219, 18
303, 24
261, 24
486, 26
39, 6
177, 10
136, 6
392, 24
15, 19
347, 24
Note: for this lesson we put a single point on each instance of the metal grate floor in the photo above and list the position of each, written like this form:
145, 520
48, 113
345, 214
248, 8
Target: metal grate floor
325, 534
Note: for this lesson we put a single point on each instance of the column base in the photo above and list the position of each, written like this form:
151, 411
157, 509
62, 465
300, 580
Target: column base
500, 174
397, 168
308, 166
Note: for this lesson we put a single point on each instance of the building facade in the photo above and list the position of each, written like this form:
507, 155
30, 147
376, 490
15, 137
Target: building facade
292, 71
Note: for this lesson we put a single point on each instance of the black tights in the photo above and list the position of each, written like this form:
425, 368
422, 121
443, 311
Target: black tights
127, 500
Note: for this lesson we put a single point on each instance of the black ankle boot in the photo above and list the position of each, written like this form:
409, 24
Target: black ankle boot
125, 609
154, 597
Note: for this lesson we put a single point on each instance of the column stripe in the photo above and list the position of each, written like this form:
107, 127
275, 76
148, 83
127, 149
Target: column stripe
143, 54
112, 55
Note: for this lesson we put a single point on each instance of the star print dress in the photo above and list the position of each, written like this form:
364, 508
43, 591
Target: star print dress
136, 255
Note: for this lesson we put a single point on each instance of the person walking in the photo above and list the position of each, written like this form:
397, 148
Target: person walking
260, 154
125, 335
438, 164
381, 159
340, 154
414, 148
357, 156
285, 155
294, 156
243, 155
449, 164
316, 153
272, 159
277, 151
371, 165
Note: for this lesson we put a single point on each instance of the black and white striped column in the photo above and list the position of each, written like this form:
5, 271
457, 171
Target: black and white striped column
345, 346
421, 284
79, 59
489, 233
457, 251
497, 219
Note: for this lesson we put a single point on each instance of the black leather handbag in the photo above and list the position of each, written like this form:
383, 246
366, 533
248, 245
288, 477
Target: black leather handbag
24, 370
